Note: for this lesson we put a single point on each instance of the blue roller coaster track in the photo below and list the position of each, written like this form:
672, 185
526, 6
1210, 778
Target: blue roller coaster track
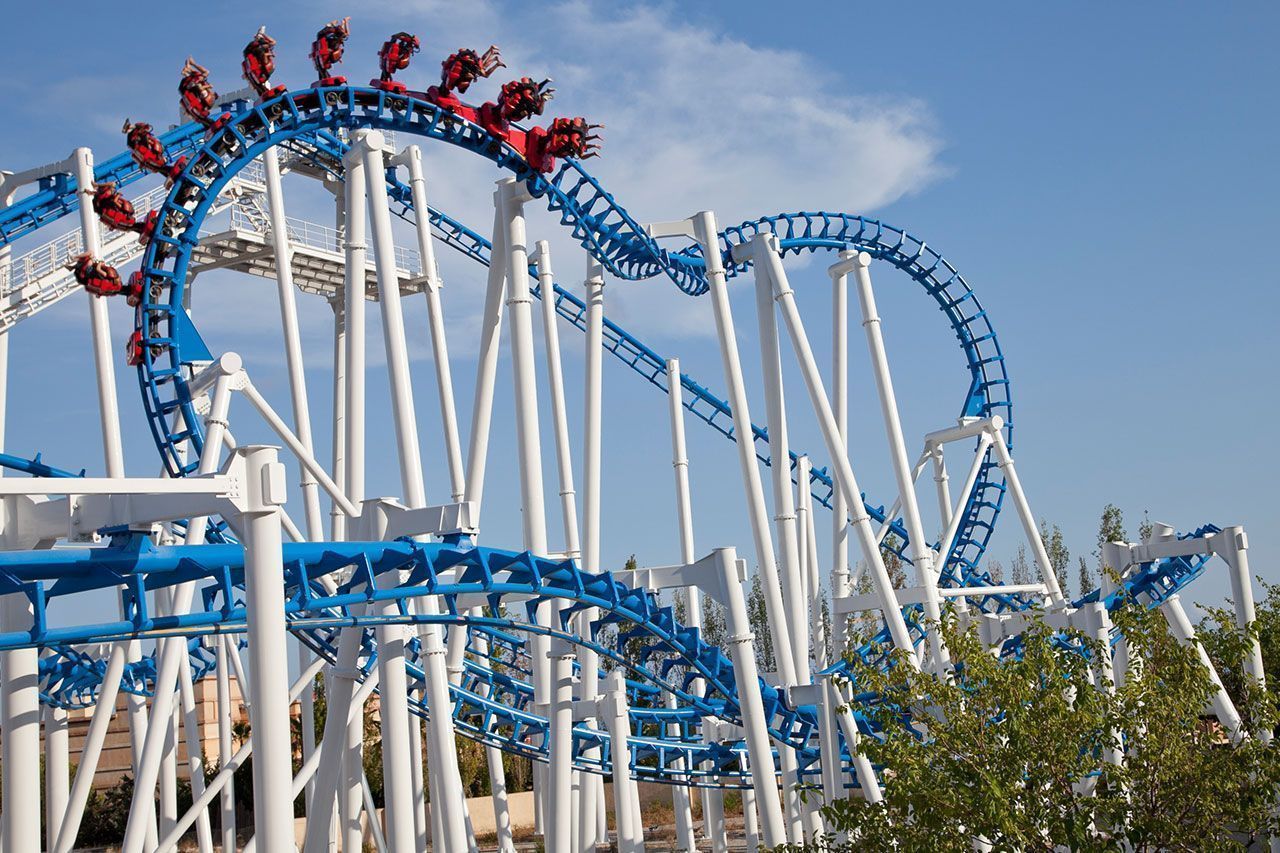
493, 703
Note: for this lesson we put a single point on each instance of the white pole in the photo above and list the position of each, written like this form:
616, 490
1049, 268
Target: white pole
497, 776
283, 251
618, 716
435, 317
840, 585
487, 358
784, 506
555, 388
1237, 556
57, 771
754, 723
394, 709
592, 433
20, 722
704, 225
195, 756
511, 197
712, 798
351, 741
91, 750
921, 553
334, 770
108, 406
228, 798
264, 491
1223, 707
766, 253
109, 417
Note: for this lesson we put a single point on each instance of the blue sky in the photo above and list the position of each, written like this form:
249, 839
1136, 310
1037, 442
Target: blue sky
1102, 174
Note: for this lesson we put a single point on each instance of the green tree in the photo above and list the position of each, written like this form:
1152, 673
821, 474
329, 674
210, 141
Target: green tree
1020, 570
1014, 751
1110, 529
1056, 549
758, 613
1085, 577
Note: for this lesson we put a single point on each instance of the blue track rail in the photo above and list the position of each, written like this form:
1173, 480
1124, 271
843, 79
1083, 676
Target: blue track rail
494, 702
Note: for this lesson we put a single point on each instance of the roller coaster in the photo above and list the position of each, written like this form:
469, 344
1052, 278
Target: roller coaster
590, 671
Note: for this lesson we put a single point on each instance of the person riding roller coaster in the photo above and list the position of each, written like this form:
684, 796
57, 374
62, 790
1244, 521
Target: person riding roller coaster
327, 50
97, 277
115, 211
149, 152
517, 101
392, 57
196, 96
459, 71
259, 64
566, 137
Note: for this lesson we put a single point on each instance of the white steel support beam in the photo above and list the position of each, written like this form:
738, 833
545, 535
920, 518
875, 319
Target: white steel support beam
269, 667
412, 156
840, 580
921, 553
511, 197
704, 229
592, 492
784, 505
394, 709
712, 798
766, 252
20, 722
283, 250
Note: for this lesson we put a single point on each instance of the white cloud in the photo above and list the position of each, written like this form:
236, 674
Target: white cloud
696, 120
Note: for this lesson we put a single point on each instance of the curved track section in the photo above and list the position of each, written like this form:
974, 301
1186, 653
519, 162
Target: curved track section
493, 703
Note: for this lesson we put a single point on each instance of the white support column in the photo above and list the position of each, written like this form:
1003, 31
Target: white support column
394, 708
497, 778
712, 798
921, 553
865, 773
227, 801
784, 506
511, 198
20, 722
195, 756
1237, 556
265, 493
109, 418
108, 405
336, 777
766, 253
755, 725
592, 435
91, 749
282, 248
840, 584
1223, 707
337, 518
625, 809
57, 771
487, 357
307, 711
555, 388
412, 156
168, 776
682, 804
704, 225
